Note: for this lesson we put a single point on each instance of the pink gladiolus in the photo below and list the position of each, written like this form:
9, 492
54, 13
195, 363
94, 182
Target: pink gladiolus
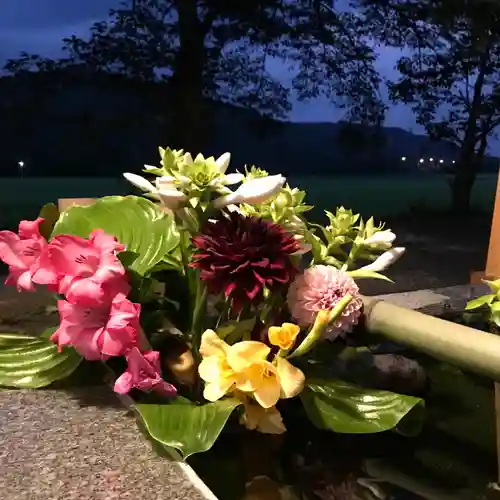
99, 332
321, 288
87, 272
21, 252
143, 373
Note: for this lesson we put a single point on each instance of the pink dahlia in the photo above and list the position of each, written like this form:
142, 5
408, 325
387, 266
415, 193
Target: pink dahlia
321, 288
241, 256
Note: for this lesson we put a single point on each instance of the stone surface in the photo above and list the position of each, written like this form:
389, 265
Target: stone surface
81, 445
439, 300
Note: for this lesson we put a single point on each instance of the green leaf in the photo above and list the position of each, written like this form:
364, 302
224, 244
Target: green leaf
346, 408
235, 330
138, 223
185, 426
364, 273
31, 362
494, 285
495, 313
480, 301
50, 214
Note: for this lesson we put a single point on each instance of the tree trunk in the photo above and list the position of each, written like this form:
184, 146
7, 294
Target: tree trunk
186, 105
462, 184
465, 174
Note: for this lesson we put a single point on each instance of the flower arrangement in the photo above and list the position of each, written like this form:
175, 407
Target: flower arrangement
208, 304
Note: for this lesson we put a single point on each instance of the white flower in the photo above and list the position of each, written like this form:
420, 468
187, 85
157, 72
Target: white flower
170, 182
171, 198
253, 191
385, 260
140, 182
165, 189
223, 162
383, 238
232, 179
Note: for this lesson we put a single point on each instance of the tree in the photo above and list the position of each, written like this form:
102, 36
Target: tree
452, 76
220, 51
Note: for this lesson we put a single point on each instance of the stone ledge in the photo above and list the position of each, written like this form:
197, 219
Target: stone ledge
83, 445
437, 301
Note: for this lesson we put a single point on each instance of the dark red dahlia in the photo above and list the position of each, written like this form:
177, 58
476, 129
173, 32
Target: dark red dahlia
240, 256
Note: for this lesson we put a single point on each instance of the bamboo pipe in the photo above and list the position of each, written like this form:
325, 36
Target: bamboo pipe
465, 347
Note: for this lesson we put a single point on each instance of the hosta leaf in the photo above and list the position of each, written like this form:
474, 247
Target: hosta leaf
32, 362
136, 222
480, 301
185, 426
343, 407
50, 215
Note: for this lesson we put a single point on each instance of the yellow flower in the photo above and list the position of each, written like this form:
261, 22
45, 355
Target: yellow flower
222, 364
265, 420
244, 366
283, 336
268, 382
214, 369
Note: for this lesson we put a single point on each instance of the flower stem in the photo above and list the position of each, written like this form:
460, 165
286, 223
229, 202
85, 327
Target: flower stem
323, 320
198, 312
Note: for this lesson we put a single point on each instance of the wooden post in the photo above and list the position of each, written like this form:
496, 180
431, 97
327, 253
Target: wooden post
492, 272
493, 259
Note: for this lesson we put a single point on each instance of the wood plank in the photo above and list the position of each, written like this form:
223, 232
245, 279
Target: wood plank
65, 203
493, 258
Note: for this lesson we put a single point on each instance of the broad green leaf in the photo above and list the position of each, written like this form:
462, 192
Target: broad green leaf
480, 301
346, 408
363, 273
31, 362
495, 313
232, 331
185, 426
138, 223
50, 214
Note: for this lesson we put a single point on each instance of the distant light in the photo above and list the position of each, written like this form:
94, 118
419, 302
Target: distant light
422, 160
453, 161
21, 164
431, 159
441, 161
403, 158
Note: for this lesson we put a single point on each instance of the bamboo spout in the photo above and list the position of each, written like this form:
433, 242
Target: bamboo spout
462, 346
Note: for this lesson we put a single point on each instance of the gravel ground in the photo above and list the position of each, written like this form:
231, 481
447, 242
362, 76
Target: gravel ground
56, 447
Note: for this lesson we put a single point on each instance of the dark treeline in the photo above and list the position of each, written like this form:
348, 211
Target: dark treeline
195, 74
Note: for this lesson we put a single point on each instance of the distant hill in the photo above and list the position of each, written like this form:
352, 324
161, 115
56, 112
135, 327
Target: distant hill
74, 124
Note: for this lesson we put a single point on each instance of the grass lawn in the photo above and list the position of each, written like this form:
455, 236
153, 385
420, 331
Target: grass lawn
21, 198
